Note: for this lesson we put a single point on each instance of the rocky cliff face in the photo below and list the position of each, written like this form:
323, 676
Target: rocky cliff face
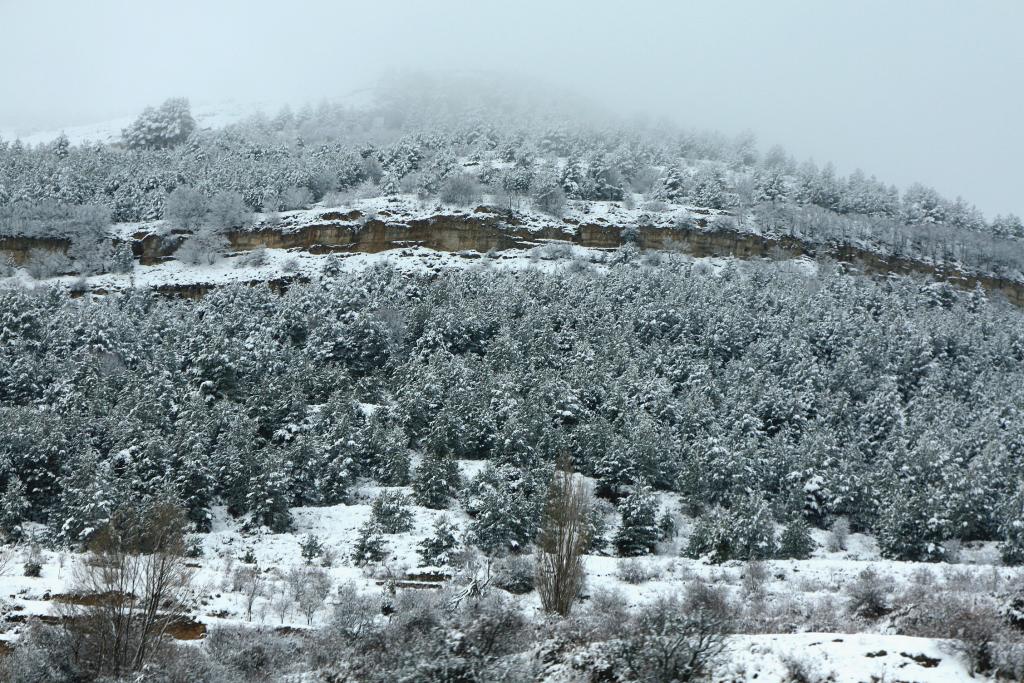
484, 230
18, 248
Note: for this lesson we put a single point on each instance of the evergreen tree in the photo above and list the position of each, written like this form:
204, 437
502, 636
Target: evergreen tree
436, 481
671, 188
1012, 528
168, 125
638, 531
796, 542
754, 529
13, 510
391, 513
267, 499
437, 549
87, 499
370, 546
908, 531
505, 505
713, 538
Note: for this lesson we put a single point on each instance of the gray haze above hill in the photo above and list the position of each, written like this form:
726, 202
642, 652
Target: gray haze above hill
917, 90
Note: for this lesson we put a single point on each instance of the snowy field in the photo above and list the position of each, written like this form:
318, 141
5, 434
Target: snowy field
879, 654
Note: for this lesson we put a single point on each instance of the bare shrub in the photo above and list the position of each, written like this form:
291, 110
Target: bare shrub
515, 574
310, 586
838, 535
140, 584
636, 571
205, 247
461, 190
672, 643
290, 265
250, 654
608, 610
253, 259
701, 597
755, 576
869, 594
45, 263
227, 210
45, 654
251, 583
562, 542
977, 627
185, 208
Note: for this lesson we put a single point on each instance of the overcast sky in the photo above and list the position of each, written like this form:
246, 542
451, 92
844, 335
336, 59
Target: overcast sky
904, 89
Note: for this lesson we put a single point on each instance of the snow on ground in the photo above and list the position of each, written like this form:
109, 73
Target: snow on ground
764, 658
842, 658
282, 263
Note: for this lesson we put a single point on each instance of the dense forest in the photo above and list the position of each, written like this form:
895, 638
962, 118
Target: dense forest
756, 393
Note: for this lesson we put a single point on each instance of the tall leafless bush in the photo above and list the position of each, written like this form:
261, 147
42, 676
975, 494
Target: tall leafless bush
130, 590
563, 540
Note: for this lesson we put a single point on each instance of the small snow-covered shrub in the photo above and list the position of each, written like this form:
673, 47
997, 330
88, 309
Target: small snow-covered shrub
461, 190
203, 248
548, 195
331, 266
869, 594
185, 208
290, 265
636, 571
7, 267
296, 198
655, 206
391, 512
514, 574
227, 210
838, 535
555, 251
652, 258
250, 654
253, 259
123, 260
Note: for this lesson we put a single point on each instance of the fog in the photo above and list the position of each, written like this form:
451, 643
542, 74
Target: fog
911, 91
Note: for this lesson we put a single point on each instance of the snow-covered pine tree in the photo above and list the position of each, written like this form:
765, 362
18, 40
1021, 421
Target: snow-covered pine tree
1012, 530
391, 513
638, 532
438, 548
909, 531
13, 510
436, 481
370, 546
168, 125
796, 542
